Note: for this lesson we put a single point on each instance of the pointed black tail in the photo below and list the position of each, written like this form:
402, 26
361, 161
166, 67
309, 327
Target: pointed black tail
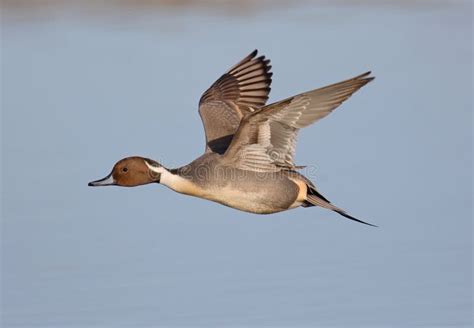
314, 198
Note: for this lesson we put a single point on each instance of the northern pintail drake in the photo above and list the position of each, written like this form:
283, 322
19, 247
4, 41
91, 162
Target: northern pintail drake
248, 161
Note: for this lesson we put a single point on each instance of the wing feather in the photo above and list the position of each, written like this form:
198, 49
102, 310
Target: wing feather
272, 130
244, 88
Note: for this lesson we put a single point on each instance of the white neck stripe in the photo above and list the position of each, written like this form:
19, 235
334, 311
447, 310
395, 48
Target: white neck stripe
159, 169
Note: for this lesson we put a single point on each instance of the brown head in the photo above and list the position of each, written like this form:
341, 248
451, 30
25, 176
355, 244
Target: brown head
130, 172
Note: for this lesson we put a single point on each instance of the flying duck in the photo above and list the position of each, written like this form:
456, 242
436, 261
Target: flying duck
248, 163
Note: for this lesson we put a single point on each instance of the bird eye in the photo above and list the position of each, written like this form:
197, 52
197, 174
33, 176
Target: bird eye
125, 170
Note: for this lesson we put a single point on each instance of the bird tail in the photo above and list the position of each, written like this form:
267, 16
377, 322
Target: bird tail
314, 198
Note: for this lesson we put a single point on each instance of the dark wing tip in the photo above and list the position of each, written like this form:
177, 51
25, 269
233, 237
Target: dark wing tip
366, 74
365, 77
247, 83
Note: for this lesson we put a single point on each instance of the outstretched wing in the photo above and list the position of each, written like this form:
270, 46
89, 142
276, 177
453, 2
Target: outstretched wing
243, 89
266, 139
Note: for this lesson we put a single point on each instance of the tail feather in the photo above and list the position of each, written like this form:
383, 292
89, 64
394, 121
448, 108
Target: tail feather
316, 199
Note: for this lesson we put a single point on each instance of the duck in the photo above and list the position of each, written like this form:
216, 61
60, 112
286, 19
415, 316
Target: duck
248, 161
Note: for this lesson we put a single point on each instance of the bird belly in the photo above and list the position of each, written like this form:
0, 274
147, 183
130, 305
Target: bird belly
254, 200
249, 192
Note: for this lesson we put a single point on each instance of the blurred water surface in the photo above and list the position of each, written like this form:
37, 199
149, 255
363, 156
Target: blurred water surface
84, 85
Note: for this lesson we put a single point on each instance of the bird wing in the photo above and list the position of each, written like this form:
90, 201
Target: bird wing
243, 89
266, 139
